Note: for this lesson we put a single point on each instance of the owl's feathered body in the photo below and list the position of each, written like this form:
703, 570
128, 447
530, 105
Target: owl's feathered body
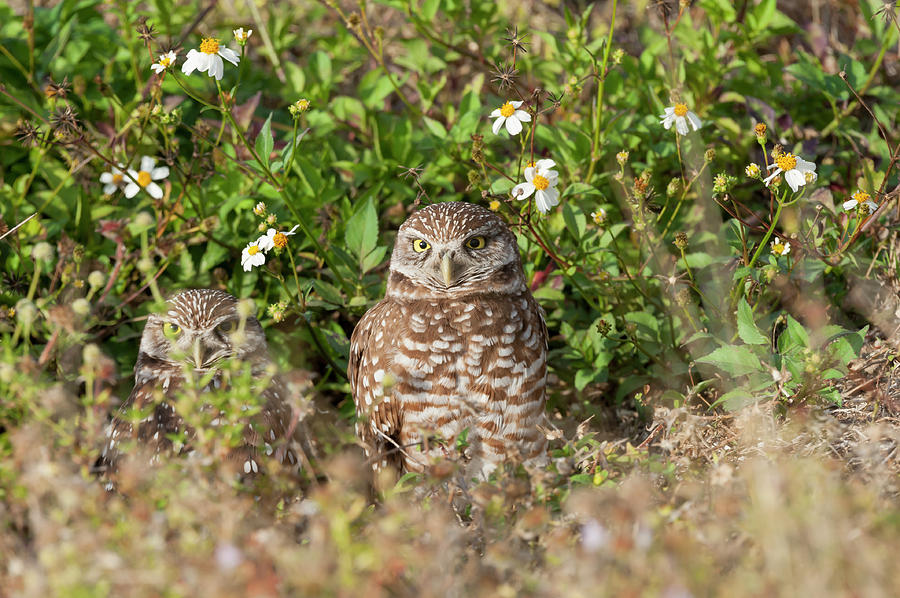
201, 326
458, 343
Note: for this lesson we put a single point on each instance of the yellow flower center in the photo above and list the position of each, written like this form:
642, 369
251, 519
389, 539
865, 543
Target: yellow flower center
143, 178
252, 250
786, 161
280, 240
778, 248
117, 179
540, 182
302, 105
507, 110
165, 61
680, 109
494, 205
209, 45
861, 197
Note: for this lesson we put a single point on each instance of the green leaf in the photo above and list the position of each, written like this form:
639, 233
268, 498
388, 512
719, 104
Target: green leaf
794, 337
264, 141
734, 399
736, 360
361, 234
436, 128
747, 329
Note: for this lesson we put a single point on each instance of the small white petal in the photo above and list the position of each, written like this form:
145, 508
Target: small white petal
804, 165
695, 120
159, 173
497, 124
530, 172
545, 164
157, 68
516, 103
794, 179
495, 113
190, 63
850, 204
154, 190
513, 125
523, 190
681, 125
109, 189
147, 163
769, 178
229, 55
131, 190
522, 116
106, 177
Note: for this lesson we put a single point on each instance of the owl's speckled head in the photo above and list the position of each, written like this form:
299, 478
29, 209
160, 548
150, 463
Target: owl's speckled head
453, 249
203, 327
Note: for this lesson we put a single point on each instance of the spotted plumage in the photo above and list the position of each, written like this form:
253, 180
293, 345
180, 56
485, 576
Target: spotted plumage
200, 330
457, 344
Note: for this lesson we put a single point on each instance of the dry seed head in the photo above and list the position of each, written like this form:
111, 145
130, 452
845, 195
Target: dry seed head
681, 240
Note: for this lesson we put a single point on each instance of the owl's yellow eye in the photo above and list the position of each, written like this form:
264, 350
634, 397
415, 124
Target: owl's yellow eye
420, 245
475, 243
171, 330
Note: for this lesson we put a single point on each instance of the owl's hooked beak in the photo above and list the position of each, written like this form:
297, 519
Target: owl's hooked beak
447, 269
199, 353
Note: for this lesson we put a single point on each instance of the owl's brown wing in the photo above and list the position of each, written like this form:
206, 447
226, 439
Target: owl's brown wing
154, 431
372, 346
275, 433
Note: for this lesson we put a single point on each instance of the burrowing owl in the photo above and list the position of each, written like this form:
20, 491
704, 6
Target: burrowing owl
457, 344
201, 329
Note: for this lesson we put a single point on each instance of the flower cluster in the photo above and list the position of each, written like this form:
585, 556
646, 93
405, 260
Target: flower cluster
861, 201
541, 181
208, 59
254, 253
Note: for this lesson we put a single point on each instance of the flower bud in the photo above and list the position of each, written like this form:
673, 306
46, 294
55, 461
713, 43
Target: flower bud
145, 265
681, 240
96, 279
81, 307
26, 312
246, 308
709, 155
91, 355
674, 187
42, 252
143, 220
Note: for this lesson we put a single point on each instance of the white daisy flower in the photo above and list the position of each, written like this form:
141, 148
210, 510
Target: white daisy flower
241, 36
599, 217
795, 170
541, 181
209, 58
512, 116
273, 239
143, 178
780, 248
165, 61
861, 198
252, 256
112, 180
681, 116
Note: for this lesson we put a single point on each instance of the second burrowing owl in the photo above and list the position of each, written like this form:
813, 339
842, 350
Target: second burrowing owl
457, 346
199, 332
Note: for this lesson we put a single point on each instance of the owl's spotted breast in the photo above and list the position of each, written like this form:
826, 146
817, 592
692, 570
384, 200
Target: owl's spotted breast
428, 363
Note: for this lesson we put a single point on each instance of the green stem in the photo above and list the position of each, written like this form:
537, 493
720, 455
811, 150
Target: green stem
601, 81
